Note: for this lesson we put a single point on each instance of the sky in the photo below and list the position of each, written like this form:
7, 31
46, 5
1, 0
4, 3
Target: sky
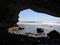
30, 15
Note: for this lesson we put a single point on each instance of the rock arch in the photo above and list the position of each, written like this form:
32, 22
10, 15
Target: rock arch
9, 10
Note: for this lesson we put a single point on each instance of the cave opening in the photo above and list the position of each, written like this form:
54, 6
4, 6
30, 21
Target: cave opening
31, 17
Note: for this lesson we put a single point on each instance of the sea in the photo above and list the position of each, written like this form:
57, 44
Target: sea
32, 27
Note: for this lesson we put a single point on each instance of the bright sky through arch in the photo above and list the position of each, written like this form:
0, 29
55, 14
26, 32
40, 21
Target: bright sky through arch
30, 15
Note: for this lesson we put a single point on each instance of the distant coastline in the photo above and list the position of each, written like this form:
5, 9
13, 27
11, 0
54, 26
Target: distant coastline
39, 22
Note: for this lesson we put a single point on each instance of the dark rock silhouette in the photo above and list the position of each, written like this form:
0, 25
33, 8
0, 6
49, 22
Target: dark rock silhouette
25, 40
54, 34
40, 30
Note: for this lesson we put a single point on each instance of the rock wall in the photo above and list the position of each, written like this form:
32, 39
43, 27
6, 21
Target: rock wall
9, 9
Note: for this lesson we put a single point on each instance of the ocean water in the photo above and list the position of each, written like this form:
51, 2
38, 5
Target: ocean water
32, 27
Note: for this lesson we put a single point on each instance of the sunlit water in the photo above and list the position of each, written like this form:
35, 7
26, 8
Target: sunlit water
32, 27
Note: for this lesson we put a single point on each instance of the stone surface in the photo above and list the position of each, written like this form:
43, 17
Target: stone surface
9, 9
